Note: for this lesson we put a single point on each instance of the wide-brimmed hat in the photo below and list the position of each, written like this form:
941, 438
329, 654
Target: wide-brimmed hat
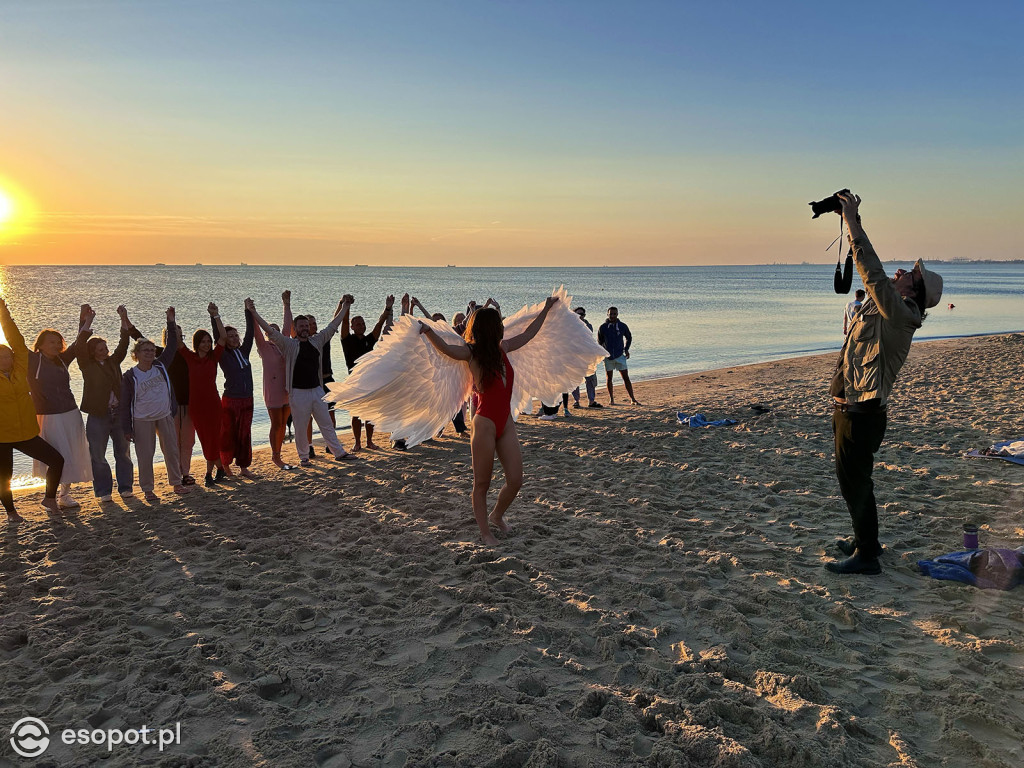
932, 285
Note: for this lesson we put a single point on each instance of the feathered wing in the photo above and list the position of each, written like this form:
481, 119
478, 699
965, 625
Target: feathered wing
404, 385
555, 360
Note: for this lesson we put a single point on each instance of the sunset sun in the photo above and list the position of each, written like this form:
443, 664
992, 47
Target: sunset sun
6, 208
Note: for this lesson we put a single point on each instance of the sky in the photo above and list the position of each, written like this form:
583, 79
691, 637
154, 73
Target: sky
505, 133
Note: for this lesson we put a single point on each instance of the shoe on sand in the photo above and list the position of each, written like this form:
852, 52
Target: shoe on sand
855, 564
66, 502
108, 497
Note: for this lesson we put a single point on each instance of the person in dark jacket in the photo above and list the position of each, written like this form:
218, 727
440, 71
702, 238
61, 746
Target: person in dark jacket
237, 401
101, 398
147, 408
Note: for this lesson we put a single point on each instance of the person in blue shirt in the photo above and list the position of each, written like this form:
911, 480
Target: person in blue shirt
615, 337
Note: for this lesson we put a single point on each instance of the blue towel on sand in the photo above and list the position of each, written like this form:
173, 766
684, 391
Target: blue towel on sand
698, 420
985, 568
1008, 450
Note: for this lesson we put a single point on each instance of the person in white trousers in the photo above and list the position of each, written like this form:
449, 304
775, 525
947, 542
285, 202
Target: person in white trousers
304, 377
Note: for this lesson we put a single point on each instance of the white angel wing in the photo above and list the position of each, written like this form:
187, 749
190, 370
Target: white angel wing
404, 385
555, 360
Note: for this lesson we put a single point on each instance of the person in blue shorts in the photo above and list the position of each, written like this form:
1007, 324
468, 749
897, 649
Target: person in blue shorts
615, 337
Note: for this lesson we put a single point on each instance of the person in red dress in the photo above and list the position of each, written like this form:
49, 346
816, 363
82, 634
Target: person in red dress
204, 400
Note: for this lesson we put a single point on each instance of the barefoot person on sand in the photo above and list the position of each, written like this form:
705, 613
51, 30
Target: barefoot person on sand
494, 431
876, 348
615, 337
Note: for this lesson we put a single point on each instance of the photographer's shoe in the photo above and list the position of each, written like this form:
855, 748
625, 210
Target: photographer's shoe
855, 564
846, 546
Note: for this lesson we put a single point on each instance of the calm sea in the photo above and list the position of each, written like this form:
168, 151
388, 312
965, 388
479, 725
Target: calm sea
683, 319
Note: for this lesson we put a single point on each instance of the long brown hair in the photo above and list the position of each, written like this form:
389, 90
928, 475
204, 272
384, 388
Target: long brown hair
483, 334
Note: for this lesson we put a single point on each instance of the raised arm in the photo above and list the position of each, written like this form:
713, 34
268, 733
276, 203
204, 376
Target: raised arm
345, 330
493, 303
341, 316
385, 316
121, 351
286, 322
414, 302
86, 317
454, 351
890, 303
14, 338
249, 331
510, 345
173, 340
219, 336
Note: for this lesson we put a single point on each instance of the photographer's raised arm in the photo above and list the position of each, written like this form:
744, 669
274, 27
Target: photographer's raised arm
877, 284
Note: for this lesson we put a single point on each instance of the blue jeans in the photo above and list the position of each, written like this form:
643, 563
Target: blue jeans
98, 431
591, 382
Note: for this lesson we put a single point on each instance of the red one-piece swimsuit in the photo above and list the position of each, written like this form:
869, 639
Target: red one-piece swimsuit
495, 400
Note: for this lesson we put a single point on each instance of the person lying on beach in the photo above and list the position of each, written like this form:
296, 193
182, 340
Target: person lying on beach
876, 348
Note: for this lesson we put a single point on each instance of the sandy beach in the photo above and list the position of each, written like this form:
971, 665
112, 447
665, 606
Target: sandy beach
661, 601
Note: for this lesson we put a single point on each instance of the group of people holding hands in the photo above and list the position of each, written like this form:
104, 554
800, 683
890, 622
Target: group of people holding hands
170, 395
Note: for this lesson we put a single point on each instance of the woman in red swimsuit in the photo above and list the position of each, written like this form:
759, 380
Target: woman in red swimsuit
204, 401
494, 431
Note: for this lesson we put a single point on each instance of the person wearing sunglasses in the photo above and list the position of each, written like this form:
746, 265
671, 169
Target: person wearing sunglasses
876, 348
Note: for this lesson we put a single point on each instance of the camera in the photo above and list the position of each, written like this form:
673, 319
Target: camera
829, 204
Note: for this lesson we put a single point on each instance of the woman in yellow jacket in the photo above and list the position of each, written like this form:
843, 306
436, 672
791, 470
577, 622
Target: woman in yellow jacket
19, 429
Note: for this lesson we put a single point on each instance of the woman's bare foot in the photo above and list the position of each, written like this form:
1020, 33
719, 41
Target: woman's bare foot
278, 461
489, 539
150, 496
245, 472
499, 523
51, 504
357, 447
13, 518
371, 446
226, 469
181, 490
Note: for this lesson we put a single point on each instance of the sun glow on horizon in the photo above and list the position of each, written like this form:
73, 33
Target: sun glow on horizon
16, 211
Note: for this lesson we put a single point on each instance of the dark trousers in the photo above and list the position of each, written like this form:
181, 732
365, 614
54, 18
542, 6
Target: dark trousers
36, 448
858, 436
236, 430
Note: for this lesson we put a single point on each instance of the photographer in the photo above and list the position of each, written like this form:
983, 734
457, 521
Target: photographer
876, 348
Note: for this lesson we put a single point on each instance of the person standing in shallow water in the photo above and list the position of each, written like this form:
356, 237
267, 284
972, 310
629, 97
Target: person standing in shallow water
494, 431
19, 428
876, 348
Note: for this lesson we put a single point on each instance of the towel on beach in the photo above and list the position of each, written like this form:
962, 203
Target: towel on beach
698, 420
1008, 450
985, 568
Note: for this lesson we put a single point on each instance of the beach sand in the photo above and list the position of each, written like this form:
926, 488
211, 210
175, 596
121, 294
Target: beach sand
661, 601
